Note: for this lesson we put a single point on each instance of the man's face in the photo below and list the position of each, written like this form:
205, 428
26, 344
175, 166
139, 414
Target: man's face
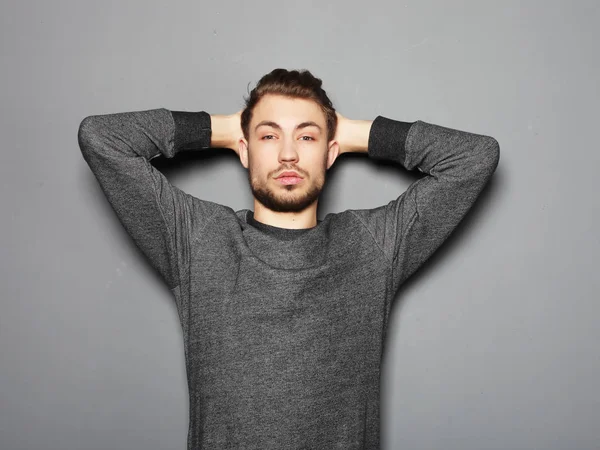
287, 135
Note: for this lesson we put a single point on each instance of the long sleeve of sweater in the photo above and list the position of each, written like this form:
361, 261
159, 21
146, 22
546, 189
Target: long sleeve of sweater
157, 215
457, 166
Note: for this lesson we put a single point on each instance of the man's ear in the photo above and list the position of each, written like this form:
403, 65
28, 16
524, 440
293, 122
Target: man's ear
332, 153
243, 152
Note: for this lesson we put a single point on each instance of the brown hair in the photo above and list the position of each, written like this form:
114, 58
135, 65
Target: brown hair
294, 84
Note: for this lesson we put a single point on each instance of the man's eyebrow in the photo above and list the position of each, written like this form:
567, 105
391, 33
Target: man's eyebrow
275, 125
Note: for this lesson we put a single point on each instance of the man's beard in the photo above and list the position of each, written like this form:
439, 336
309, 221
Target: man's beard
287, 200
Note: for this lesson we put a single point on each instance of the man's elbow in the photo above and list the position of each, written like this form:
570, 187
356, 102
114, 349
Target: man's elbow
492, 154
486, 156
87, 133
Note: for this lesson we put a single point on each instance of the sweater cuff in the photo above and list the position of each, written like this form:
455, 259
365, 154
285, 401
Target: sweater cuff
387, 139
192, 130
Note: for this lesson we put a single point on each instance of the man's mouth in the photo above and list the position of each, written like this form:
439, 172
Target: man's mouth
289, 177
289, 180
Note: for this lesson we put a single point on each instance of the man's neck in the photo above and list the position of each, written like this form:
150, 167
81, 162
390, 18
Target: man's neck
303, 219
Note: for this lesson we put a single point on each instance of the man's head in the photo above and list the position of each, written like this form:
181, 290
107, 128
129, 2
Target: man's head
289, 125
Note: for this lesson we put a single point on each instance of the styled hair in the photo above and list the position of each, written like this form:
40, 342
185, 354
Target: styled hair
293, 84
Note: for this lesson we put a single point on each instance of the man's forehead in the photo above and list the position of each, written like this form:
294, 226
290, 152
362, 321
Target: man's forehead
283, 113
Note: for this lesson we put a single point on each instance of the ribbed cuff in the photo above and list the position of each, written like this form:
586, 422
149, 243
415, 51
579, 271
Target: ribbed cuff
387, 139
192, 130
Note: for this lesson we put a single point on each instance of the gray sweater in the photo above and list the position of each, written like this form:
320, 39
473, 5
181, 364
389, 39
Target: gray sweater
283, 329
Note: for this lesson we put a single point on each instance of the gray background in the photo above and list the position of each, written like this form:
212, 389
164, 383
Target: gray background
493, 344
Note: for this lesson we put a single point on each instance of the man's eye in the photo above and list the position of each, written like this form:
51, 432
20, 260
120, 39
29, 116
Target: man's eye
309, 137
267, 136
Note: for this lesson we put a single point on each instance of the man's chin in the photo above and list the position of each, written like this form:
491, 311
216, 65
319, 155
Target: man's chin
287, 205
287, 201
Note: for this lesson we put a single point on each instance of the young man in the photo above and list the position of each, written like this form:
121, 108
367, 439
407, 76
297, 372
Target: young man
284, 316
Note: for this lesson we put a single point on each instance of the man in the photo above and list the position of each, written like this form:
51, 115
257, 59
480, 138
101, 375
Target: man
284, 316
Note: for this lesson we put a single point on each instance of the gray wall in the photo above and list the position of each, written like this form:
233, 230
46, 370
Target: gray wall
493, 343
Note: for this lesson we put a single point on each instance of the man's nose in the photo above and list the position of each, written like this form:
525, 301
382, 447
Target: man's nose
288, 152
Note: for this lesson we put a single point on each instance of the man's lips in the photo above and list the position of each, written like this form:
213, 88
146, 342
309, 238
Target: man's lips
289, 177
289, 180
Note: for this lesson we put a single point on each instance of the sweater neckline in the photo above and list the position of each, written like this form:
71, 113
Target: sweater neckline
285, 248
283, 233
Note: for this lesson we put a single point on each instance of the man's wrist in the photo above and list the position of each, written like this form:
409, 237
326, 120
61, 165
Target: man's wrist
355, 138
223, 131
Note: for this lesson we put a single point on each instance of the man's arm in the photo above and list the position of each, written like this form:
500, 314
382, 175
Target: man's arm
157, 215
457, 165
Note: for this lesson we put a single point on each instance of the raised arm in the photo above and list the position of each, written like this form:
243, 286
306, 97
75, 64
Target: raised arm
457, 165
156, 214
